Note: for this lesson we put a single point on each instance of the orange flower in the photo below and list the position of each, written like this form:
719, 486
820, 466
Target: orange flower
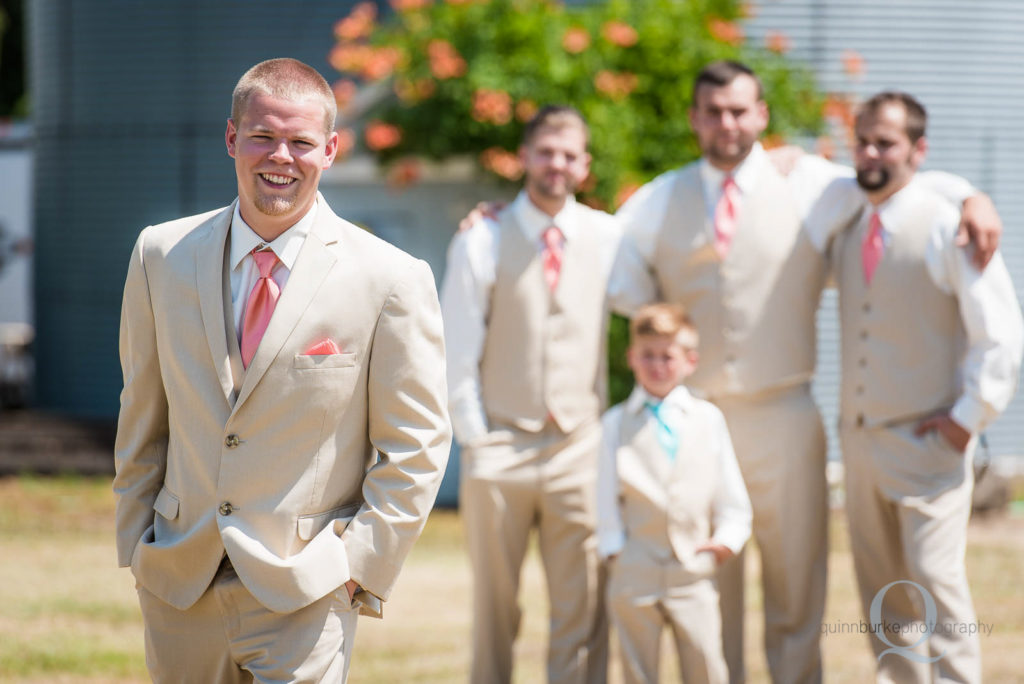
502, 162
344, 91
358, 24
350, 57
408, 5
725, 31
405, 172
382, 136
839, 109
445, 61
576, 40
615, 85
853, 64
525, 109
493, 106
380, 63
619, 33
346, 141
778, 42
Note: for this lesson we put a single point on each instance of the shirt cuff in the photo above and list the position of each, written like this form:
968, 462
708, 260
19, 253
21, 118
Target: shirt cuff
469, 427
610, 543
970, 414
732, 537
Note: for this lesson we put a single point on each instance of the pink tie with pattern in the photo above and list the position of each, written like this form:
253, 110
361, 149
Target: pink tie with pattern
260, 306
872, 248
725, 216
552, 255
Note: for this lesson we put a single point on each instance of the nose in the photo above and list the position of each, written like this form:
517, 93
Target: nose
728, 121
281, 153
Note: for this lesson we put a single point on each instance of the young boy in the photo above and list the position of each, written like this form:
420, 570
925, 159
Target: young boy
671, 505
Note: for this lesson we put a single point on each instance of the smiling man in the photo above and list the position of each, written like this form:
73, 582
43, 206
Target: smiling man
523, 303
283, 425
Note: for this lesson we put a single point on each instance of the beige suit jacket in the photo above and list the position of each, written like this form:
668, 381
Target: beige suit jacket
305, 470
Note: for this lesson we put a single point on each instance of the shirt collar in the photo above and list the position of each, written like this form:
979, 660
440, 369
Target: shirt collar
745, 173
534, 221
286, 245
679, 398
895, 211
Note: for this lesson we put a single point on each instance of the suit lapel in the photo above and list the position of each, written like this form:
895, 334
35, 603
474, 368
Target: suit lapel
210, 285
311, 267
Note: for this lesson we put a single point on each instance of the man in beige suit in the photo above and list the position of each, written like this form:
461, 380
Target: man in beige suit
283, 425
931, 352
724, 238
523, 303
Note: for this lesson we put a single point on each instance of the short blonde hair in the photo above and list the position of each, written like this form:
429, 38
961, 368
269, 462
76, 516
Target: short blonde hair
664, 320
287, 79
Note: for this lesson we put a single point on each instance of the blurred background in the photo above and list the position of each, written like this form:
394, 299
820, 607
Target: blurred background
112, 116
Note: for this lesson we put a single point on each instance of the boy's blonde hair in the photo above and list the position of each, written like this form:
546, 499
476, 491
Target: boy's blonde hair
664, 320
286, 79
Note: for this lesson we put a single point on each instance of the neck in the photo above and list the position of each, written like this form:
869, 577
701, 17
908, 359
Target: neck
549, 205
877, 197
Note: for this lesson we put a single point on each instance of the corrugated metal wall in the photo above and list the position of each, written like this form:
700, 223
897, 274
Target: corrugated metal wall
965, 62
129, 102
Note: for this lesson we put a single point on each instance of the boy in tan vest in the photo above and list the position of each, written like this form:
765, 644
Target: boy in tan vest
671, 505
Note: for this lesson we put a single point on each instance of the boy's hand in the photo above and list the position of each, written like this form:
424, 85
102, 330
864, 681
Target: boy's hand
721, 552
480, 212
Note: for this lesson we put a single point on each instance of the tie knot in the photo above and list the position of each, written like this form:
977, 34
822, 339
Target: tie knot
653, 407
728, 183
552, 237
265, 262
875, 224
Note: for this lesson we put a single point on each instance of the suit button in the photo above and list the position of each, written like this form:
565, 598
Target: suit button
232, 441
860, 420
225, 508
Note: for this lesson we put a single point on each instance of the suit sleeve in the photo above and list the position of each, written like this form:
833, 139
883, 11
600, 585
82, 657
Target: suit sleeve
408, 425
140, 449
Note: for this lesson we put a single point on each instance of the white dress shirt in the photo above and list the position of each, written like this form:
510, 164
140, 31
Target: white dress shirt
641, 217
988, 304
244, 273
731, 512
466, 294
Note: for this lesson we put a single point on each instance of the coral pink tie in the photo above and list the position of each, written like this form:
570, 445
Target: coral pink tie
260, 306
871, 250
552, 255
725, 216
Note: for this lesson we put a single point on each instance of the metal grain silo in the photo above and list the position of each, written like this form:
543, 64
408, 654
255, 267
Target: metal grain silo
965, 62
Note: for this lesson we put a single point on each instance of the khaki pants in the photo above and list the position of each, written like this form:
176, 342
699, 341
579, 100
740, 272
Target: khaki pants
908, 500
780, 445
516, 482
229, 637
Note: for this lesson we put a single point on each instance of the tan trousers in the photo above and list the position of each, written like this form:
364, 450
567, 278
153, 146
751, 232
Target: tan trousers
909, 524
228, 637
780, 445
545, 480
691, 613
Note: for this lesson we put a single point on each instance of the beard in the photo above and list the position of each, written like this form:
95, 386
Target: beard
272, 205
873, 179
728, 155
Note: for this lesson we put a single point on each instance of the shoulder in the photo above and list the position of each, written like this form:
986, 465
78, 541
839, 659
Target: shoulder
598, 223
161, 237
942, 215
610, 419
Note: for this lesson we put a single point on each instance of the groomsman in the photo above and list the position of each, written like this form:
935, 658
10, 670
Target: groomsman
931, 352
523, 305
724, 237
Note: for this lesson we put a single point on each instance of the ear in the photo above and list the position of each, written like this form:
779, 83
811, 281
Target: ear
331, 149
692, 356
231, 138
763, 114
919, 151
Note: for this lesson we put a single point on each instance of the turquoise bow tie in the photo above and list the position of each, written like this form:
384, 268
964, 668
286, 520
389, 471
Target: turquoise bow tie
667, 438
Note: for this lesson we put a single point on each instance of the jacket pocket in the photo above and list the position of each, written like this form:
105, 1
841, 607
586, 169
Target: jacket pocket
166, 504
315, 362
308, 526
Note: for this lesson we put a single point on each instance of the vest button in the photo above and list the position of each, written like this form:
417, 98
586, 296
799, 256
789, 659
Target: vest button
863, 334
867, 307
860, 389
225, 508
232, 441
862, 363
860, 420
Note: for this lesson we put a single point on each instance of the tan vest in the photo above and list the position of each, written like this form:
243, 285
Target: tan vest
544, 352
665, 504
902, 337
756, 309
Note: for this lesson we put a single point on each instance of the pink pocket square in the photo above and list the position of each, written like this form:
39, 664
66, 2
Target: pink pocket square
323, 348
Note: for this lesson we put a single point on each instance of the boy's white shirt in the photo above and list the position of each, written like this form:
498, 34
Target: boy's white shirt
731, 513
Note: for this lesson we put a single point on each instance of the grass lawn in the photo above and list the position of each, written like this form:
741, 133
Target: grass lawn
68, 614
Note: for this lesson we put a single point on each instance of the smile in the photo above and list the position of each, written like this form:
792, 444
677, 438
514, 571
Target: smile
274, 179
